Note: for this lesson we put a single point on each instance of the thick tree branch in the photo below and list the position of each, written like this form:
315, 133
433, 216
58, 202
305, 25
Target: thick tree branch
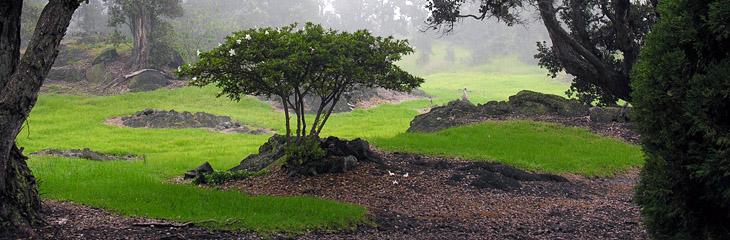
578, 60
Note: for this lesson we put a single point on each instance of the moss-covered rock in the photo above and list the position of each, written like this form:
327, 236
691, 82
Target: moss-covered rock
496, 108
270, 152
551, 104
442, 117
611, 114
148, 81
533, 108
66, 74
106, 56
97, 74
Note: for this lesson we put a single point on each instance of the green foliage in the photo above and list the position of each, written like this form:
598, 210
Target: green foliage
682, 103
221, 177
303, 151
292, 63
116, 38
595, 41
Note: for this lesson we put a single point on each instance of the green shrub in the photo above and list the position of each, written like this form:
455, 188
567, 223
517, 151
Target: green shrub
222, 177
302, 151
682, 101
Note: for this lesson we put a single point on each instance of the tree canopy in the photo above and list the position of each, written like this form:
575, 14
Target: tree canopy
596, 41
292, 62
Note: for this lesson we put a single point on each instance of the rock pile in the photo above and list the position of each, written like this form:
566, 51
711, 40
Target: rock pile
85, 154
525, 103
151, 118
340, 156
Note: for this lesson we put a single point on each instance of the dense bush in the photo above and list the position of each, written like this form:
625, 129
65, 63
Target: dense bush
682, 101
303, 150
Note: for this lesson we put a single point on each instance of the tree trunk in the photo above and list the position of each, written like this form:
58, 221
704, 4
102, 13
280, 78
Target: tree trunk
141, 26
20, 82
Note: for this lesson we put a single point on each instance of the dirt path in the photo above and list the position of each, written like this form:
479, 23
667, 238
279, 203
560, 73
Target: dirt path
431, 203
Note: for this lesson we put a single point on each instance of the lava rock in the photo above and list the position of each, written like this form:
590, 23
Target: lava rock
340, 156
97, 74
611, 114
269, 153
204, 168
106, 56
529, 102
488, 179
150, 118
66, 74
442, 117
149, 80
85, 154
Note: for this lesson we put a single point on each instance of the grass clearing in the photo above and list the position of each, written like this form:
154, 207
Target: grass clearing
535, 146
141, 188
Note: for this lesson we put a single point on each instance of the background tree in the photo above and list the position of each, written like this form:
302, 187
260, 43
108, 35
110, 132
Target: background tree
596, 41
682, 101
150, 31
90, 18
20, 82
292, 63
29, 17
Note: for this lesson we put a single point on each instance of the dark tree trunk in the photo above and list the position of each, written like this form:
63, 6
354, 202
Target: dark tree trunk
579, 60
141, 26
20, 82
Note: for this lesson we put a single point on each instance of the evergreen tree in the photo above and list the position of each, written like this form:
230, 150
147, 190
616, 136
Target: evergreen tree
682, 101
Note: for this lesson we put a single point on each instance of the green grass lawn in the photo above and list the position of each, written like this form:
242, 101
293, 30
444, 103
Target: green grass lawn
535, 146
142, 188
139, 187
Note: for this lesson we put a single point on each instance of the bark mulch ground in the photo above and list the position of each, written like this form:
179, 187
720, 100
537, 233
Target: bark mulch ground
435, 201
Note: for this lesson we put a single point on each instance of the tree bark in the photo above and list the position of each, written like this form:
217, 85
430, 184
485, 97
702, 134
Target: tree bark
141, 26
21, 80
581, 61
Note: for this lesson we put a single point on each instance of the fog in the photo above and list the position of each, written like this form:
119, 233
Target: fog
205, 23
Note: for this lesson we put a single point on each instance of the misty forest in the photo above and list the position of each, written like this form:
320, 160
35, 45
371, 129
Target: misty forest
365, 119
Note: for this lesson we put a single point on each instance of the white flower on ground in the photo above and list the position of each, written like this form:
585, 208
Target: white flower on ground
266, 32
178, 68
195, 78
238, 41
405, 175
390, 173
232, 52
395, 182
198, 52
248, 37
219, 44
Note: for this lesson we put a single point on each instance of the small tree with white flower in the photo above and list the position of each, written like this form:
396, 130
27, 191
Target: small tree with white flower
292, 62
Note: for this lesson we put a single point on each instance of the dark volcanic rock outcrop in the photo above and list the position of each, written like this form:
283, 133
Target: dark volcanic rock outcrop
85, 154
340, 155
150, 118
523, 104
